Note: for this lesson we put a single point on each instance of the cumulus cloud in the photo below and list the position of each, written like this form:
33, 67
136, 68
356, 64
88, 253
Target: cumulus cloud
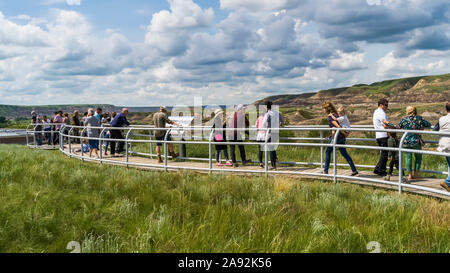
259, 48
169, 30
420, 63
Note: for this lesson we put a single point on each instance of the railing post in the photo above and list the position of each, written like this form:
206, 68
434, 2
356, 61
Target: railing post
321, 150
165, 150
61, 137
266, 156
210, 150
101, 145
151, 144
81, 140
400, 163
26, 133
70, 142
335, 155
126, 148
34, 137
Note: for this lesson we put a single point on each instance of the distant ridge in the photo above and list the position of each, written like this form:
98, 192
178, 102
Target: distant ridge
425, 89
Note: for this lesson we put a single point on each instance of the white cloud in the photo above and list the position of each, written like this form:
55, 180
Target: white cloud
420, 63
73, 2
169, 30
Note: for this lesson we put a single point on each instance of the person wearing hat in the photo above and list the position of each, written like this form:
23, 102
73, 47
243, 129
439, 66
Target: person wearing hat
413, 141
37, 129
238, 120
160, 119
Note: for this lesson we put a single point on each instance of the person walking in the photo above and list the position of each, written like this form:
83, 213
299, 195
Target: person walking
382, 137
220, 136
261, 138
160, 119
35, 120
393, 142
329, 109
444, 142
238, 121
91, 123
58, 120
118, 122
47, 130
76, 122
273, 120
412, 141
66, 122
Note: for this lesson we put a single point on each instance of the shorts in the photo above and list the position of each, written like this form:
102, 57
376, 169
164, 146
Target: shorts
161, 138
93, 144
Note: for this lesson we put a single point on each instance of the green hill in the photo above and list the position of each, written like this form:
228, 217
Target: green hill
426, 89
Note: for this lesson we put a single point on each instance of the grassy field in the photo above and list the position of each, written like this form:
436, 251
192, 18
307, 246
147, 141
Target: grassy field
48, 200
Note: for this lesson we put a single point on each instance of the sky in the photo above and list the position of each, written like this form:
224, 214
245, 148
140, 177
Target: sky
166, 52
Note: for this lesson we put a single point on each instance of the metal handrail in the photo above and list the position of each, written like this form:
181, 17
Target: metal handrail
209, 141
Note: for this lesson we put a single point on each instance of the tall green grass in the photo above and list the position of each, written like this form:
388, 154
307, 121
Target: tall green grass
48, 200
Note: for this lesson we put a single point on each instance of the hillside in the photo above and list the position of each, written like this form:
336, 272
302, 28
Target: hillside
428, 93
427, 89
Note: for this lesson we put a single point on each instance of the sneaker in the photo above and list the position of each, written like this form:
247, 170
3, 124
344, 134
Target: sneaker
355, 173
261, 165
159, 159
445, 186
324, 172
235, 165
229, 163
387, 178
245, 162
219, 164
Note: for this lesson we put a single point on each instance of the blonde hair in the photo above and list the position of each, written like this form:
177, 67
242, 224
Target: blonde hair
341, 110
411, 110
329, 107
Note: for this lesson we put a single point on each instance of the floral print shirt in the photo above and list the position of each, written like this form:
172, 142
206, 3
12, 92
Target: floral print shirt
412, 123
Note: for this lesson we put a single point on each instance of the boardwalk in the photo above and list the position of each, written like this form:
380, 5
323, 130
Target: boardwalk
254, 169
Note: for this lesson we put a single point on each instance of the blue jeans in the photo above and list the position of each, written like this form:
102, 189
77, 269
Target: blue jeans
340, 140
447, 181
48, 135
106, 143
38, 139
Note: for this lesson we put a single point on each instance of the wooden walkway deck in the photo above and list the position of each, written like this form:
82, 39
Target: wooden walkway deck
303, 172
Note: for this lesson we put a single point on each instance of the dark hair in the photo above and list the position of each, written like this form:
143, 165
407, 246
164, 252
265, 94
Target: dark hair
269, 104
329, 107
447, 106
99, 109
85, 113
382, 101
66, 114
393, 135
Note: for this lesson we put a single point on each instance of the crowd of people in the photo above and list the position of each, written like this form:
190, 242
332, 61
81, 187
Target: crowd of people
271, 120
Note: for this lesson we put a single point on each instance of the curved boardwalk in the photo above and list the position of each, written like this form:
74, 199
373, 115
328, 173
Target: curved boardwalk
305, 172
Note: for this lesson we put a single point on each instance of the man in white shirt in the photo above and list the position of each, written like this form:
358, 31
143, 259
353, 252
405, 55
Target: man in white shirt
382, 138
444, 142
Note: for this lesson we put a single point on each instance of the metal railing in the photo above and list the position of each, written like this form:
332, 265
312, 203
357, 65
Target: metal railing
320, 142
